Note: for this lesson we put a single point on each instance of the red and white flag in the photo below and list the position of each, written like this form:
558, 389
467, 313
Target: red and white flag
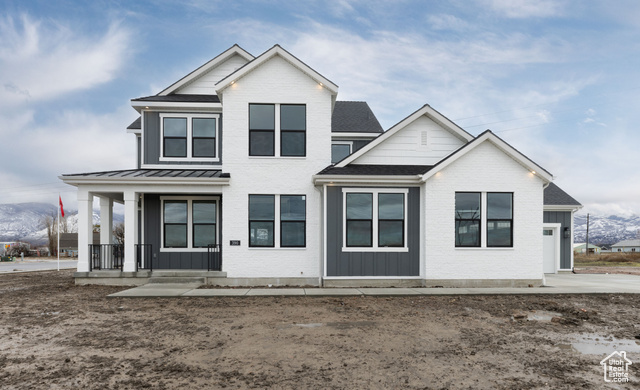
61, 208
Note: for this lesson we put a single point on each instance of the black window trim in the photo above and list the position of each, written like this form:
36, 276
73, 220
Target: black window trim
479, 220
347, 220
392, 220
500, 220
165, 224
273, 224
258, 130
189, 138
303, 131
304, 245
194, 224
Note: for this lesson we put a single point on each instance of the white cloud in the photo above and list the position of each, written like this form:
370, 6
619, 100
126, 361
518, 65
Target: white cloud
42, 60
447, 22
519, 9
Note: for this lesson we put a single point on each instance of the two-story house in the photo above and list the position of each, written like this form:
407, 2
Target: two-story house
251, 172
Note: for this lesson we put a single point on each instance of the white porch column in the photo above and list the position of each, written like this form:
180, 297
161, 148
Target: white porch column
130, 231
106, 220
85, 228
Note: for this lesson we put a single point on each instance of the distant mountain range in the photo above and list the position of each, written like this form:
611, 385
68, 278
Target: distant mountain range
24, 221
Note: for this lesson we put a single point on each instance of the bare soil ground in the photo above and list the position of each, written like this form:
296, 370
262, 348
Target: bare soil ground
55, 335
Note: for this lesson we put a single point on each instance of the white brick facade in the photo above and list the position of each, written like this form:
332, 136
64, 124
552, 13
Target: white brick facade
484, 169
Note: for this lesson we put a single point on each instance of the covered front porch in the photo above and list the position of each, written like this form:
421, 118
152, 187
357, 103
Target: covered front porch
155, 220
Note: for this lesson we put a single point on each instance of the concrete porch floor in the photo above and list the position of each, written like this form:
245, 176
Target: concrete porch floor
555, 284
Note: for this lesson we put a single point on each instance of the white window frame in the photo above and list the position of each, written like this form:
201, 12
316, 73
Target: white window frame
189, 200
350, 143
189, 118
374, 242
277, 132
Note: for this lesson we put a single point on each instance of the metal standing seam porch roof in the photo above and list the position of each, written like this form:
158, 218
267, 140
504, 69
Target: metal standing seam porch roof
151, 173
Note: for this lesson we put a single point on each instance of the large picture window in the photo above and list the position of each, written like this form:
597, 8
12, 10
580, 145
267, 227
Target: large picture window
375, 219
499, 219
189, 137
468, 219
189, 224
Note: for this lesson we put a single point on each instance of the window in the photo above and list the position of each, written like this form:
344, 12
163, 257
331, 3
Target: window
262, 124
261, 220
291, 124
374, 219
293, 130
499, 219
291, 232
339, 150
189, 137
175, 224
467, 219
189, 224
292, 220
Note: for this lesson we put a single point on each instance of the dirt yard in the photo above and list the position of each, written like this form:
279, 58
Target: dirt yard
55, 335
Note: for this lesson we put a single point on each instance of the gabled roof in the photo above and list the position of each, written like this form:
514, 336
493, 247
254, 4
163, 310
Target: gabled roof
276, 50
233, 50
135, 125
354, 117
424, 110
488, 136
555, 196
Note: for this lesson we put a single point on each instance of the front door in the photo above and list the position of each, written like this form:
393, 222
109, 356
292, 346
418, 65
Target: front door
549, 250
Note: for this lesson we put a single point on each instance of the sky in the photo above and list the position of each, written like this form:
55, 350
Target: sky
558, 80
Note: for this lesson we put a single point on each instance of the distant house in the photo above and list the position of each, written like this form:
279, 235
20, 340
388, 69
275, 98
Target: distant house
626, 246
69, 243
581, 248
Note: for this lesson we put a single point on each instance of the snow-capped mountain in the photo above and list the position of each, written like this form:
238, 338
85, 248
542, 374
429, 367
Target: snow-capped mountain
25, 221
606, 229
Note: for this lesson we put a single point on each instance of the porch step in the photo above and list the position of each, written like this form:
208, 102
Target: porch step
187, 274
177, 280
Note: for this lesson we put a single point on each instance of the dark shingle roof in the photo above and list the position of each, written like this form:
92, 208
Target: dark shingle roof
180, 98
555, 196
135, 125
157, 173
380, 170
354, 117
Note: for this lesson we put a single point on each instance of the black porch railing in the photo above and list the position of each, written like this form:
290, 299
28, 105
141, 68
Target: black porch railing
144, 256
106, 256
214, 257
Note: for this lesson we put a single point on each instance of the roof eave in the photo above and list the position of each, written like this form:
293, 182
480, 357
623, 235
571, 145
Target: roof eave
557, 207
364, 179
202, 181
142, 105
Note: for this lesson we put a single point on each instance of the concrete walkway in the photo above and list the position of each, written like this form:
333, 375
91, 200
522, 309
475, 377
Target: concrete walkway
555, 284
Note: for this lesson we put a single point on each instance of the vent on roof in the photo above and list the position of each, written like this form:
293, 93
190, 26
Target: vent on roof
423, 140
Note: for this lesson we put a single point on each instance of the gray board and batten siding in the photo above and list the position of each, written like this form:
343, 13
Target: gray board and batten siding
152, 139
372, 264
152, 235
564, 219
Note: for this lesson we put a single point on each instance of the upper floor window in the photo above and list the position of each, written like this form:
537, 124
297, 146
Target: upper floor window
277, 127
340, 150
190, 137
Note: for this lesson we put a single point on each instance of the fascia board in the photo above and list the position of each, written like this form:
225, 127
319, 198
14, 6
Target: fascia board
562, 207
141, 105
235, 49
424, 110
135, 131
500, 144
345, 179
266, 56
337, 135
